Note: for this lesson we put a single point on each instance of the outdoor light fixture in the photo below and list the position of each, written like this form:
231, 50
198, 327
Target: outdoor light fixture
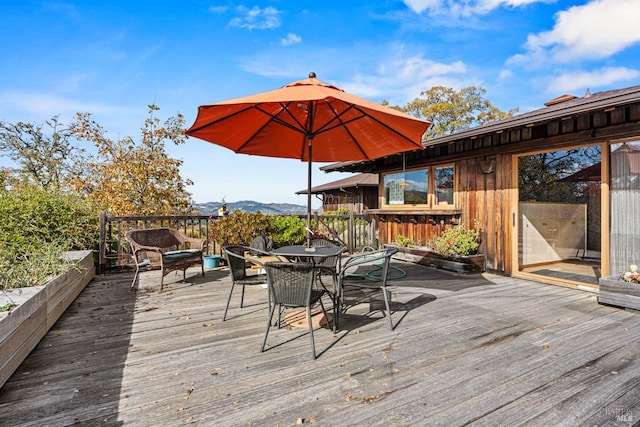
404, 183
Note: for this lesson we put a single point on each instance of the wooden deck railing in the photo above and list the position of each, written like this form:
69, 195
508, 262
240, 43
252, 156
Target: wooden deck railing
114, 251
353, 231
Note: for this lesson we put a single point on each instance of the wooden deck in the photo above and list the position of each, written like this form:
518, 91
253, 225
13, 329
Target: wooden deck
480, 350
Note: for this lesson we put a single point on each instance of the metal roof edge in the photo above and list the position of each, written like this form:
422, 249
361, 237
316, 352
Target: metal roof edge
573, 106
583, 105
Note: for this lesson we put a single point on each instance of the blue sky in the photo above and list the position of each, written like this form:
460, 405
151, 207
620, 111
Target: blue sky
113, 58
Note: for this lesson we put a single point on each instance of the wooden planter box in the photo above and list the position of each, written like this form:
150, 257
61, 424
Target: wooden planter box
459, 264
22, 328
617, 292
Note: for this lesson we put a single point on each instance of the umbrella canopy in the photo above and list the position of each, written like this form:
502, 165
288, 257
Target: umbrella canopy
308, 120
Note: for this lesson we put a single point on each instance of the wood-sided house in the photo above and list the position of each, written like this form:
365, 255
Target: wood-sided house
356, 193
555, 191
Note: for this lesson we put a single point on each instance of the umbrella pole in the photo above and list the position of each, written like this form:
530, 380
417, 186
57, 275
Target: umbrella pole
309, 167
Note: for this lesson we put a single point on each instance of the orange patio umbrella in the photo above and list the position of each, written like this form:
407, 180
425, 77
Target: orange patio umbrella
308, 120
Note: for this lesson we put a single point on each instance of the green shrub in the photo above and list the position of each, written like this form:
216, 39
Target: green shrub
288, 230
37, 226
340, 211
34, 267
239, 228
457, 240
403, 242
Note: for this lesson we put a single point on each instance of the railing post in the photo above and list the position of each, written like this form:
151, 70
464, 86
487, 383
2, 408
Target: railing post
102, 246
350, 232
373, 231
316, 218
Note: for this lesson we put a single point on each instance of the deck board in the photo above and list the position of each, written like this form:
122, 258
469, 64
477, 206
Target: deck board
467, 350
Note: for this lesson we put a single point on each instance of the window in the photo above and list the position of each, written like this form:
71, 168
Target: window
407, 188
444, 185
412, 187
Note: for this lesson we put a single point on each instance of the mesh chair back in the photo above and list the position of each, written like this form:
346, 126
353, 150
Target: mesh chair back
328, 262
290, 283
373, 266
236, 263
350, 265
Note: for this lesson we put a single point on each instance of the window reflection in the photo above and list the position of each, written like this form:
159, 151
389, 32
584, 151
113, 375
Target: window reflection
407, 188
444, 185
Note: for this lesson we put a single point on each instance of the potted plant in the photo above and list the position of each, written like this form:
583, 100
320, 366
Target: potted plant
457, 241
456, 249
621, 290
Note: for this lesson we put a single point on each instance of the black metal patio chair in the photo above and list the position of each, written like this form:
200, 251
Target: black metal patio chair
366, 270
237, 261
329, 265
291, 286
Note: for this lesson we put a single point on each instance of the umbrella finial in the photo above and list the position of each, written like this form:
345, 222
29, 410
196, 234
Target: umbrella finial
312, 75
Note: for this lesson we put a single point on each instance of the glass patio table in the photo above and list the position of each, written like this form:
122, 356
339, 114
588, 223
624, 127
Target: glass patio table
300, 251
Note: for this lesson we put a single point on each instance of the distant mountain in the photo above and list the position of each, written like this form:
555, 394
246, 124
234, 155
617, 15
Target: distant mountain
211, 208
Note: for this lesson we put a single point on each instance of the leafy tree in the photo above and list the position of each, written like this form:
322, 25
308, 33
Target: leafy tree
46, 157
129, 178
450, 111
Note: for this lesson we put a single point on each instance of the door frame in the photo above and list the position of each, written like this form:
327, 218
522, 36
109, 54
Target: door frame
604, 213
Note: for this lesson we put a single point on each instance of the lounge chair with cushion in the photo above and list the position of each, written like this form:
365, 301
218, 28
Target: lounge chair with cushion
166, 249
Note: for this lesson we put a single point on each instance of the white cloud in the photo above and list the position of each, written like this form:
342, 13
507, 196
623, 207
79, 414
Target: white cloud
44, 105
607, 76
419, 6
596, 30
218, 9
256, 18
465, 7
482, 7
505, 74
384, 73
291, 39
401, 78
37, 107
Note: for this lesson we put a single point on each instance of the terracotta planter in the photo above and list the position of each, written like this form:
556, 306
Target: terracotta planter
617, 292
39, 308
457, 263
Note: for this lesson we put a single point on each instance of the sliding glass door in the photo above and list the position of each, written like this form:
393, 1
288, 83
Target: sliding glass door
559, 215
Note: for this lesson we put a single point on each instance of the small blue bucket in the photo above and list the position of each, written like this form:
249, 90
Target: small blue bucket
211, 261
